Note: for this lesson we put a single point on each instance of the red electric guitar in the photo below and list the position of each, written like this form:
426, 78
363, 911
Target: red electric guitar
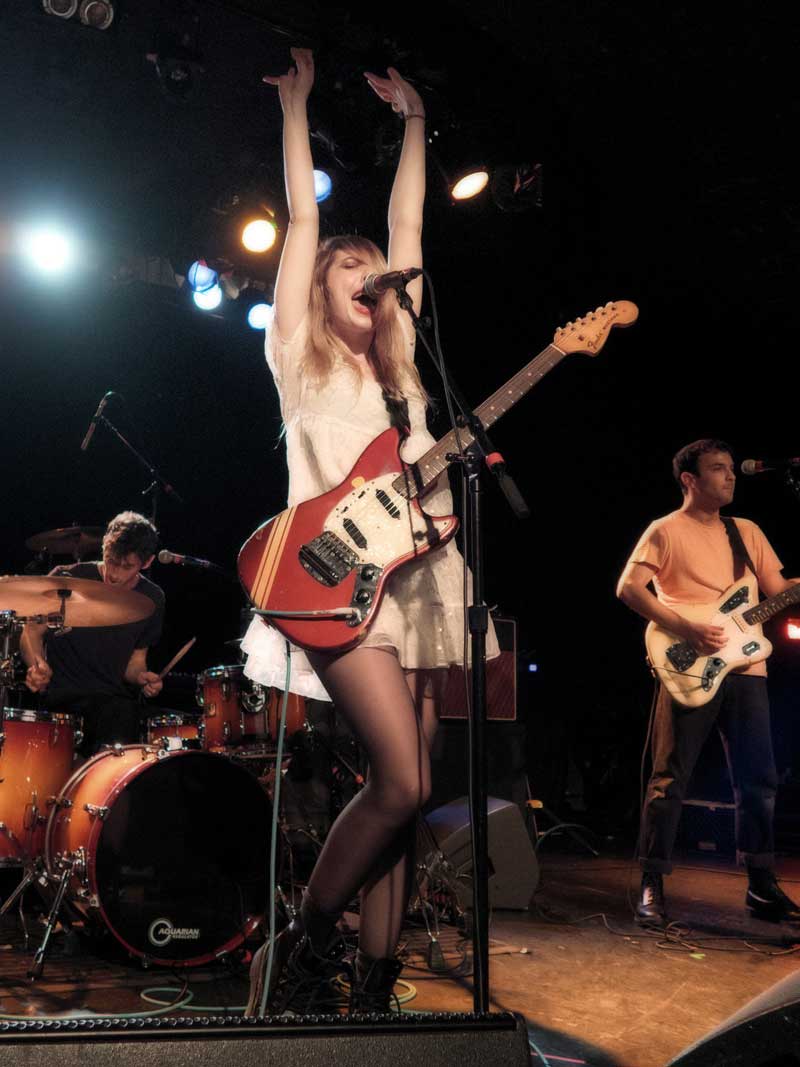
317, 571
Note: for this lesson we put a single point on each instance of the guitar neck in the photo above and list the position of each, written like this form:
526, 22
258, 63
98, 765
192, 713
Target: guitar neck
428, 468
767, 608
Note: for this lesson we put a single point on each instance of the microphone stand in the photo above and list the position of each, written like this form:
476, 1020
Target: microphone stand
478, 452
157, 483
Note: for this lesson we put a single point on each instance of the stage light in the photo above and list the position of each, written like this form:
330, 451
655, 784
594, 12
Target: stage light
322, 185
793, 629
533, 668
47, 248
260, 316
62, 9
200, 277
259, 235
99, 14
208, 299
470, 184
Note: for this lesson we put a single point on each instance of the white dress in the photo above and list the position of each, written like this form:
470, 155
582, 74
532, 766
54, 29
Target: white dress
327, 428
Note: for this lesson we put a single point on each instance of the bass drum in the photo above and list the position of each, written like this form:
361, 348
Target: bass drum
167, 850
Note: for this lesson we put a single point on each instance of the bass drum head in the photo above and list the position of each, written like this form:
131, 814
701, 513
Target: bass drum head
181, 863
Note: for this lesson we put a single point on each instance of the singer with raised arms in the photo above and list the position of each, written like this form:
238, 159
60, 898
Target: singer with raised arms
699, 564
342, 357
99, 672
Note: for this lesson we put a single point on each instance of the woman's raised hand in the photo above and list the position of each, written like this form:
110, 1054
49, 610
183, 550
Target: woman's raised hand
395, 90
295, 85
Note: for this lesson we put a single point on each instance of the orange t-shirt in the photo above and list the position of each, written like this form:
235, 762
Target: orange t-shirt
693, 562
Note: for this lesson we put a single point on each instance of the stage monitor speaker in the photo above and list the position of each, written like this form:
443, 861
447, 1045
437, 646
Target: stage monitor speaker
513, 867
764, 1033
501, 680
497, 1040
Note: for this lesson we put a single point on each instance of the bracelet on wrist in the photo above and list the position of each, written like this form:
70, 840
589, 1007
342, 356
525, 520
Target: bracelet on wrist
413, 115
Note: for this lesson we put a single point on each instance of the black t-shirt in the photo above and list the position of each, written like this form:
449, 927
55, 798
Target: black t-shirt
92, 659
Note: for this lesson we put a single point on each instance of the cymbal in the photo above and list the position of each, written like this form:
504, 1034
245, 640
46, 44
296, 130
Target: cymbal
67, 541
89, 603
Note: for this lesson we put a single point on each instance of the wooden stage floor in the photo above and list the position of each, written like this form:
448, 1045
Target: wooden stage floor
593, 988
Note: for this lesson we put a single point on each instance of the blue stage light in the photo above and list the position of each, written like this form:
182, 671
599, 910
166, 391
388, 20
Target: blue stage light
200, 277
260, 316
322, 185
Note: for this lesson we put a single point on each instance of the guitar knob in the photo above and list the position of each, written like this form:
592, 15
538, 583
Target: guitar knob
363, 596
368, 574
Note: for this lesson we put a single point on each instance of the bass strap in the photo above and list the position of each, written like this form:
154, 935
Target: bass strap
741, 557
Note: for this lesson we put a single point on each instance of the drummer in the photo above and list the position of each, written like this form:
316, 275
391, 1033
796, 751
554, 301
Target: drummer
99, 672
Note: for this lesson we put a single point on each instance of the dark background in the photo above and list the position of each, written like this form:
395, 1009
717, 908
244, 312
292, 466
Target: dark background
666, 137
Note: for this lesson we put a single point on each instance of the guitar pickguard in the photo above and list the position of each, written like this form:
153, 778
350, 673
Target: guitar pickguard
377, 525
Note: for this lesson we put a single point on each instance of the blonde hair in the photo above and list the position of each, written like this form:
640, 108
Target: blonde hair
389, 354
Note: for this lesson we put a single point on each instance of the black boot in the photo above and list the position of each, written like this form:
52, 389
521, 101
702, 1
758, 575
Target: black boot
650, 909
307, 955
372, 989
766, 899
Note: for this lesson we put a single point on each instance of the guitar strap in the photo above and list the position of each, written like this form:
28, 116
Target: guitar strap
398, 413
741, 557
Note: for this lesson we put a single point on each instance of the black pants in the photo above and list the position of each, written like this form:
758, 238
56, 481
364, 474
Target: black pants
740, 711
108, 719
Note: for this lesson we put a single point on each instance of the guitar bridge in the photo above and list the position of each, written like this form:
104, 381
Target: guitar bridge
682, 656
327, 559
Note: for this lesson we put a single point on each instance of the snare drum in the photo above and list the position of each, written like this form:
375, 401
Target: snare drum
167, 850
186, 727
36, 751
219, 691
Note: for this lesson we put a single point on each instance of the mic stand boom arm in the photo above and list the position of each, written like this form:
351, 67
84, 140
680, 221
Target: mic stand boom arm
157, 483
478, 452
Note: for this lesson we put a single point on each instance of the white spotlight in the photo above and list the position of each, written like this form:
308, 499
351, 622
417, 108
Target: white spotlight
209, 298
48, 249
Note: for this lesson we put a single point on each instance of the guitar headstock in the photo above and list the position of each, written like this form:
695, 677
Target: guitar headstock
589, 334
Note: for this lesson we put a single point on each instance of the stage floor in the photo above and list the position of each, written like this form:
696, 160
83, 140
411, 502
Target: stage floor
593, 988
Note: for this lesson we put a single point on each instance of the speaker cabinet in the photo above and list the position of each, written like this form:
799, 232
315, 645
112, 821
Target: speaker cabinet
496, 1040
513, 867
501, 680
764, 1033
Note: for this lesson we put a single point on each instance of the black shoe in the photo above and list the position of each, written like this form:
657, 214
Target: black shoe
372, 989
650, 909
766, 900
306, 985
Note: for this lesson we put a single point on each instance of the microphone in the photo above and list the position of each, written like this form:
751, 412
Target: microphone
165, 556
100, 409
758, 466
376, 285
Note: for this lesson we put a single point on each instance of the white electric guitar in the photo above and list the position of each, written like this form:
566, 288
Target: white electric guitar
693, 678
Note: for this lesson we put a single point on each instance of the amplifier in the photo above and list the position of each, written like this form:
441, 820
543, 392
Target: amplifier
501, 680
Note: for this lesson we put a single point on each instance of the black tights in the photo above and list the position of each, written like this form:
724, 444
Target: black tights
370, 847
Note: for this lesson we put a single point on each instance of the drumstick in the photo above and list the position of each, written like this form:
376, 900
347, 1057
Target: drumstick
178, 656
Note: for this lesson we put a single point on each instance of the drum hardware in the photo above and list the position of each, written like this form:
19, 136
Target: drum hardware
96, 810
52, 918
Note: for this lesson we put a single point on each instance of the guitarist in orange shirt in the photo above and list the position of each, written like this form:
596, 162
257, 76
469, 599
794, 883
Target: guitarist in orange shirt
692, 556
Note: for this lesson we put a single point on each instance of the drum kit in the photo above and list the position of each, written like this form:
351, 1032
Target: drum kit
162, 844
